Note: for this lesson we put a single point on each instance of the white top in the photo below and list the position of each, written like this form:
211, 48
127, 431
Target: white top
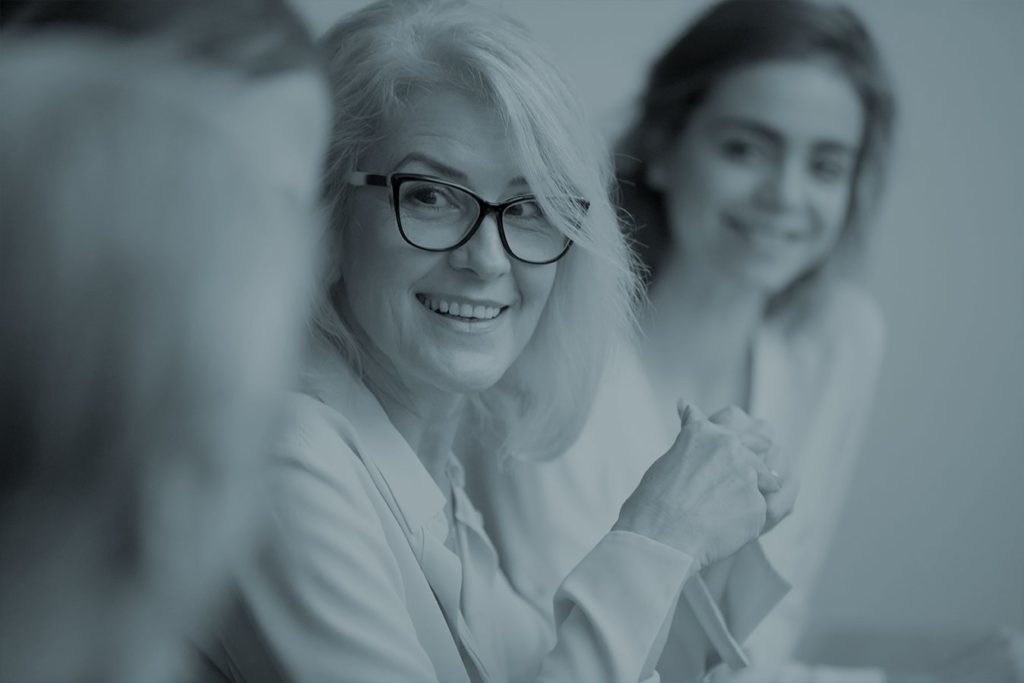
356, 583
814, 384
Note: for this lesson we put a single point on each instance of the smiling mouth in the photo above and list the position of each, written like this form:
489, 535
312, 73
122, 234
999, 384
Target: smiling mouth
465, 312
763, 235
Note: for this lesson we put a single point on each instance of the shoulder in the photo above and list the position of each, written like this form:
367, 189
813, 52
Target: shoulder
843, 323
853, 322
316, 436
317, 474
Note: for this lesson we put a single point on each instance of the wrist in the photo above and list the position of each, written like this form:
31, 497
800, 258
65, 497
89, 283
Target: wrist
672, 532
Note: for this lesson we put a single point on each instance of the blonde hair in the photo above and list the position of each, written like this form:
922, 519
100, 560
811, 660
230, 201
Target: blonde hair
382, 55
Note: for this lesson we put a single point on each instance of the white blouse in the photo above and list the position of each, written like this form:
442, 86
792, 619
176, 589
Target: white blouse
356, 582
813, 383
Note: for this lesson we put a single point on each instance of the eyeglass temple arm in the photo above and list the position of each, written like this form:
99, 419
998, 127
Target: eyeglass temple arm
360, 178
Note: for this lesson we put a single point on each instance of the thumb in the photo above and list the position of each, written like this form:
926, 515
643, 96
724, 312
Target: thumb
768, 480
688, 413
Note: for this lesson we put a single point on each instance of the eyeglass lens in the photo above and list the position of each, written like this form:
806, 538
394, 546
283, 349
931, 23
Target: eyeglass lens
438, 216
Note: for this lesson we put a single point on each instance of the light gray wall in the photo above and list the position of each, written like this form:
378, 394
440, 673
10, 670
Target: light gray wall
932, 539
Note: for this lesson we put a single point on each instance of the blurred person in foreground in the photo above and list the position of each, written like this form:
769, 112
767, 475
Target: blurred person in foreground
156, 243
477, 276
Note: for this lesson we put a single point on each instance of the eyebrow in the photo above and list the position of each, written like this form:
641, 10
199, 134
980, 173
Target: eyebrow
826, 145
445, 170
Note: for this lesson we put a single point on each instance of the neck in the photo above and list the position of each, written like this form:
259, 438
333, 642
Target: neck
428, 420
698, 332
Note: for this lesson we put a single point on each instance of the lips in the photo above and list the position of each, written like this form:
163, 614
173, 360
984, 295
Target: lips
470, 311
762, 232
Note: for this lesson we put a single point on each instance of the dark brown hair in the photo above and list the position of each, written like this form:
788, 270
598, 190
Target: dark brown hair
255, 37
733, 34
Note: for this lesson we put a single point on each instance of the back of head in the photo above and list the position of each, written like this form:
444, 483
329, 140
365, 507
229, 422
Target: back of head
737, 33
381, 58
152, 285
251, 37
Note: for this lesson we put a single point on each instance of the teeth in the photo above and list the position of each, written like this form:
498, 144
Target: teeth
463, 310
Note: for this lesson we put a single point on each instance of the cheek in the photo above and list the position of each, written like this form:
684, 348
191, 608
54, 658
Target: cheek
832, 207
535, 285
373, 278
702, 185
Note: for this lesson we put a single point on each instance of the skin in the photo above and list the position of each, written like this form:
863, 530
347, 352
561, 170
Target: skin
758, 183
756, 188
436, 358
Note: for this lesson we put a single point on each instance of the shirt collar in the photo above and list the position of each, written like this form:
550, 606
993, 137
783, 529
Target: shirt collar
404, 482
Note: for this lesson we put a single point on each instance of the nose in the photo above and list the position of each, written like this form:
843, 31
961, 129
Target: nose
783, 185
484, 253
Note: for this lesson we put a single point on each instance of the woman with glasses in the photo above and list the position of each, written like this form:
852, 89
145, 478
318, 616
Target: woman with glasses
476, 279
751, 175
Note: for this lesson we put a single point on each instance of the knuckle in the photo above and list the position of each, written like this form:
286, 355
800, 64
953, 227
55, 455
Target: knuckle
728, 415
762, 427
750, 478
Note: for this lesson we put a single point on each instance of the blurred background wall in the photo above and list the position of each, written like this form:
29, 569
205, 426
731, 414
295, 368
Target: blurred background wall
930, 550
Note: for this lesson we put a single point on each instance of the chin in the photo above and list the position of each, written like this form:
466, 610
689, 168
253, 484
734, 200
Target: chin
768, 277
465, 375
473, 382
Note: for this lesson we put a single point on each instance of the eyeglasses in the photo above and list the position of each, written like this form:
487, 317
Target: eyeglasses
436, 215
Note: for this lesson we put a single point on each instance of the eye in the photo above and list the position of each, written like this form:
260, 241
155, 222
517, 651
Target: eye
426, 195
831, 170
743, 149
526, 210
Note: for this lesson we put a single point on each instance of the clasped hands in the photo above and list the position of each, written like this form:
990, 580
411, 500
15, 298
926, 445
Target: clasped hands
722, 483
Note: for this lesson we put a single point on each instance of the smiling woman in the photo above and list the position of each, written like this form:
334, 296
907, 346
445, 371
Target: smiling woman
477, 279
387, 286
750, 175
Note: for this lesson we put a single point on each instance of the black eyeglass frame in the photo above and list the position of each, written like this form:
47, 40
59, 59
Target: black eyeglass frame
394, 182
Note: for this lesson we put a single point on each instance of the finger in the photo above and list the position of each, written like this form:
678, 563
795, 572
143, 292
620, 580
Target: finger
773, 458
733, 417
768, 480
688, 413
762, 427
758, 443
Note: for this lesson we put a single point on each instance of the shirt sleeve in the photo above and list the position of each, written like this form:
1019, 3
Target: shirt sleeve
612, 611
850, 341
721, 607
325, 600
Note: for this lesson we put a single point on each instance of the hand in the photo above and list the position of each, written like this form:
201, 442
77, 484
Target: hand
704, 496
757, 436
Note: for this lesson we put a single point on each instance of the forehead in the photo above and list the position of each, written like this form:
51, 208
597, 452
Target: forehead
464, 132
798, 100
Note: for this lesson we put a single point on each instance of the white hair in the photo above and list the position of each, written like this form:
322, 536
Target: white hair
380, 56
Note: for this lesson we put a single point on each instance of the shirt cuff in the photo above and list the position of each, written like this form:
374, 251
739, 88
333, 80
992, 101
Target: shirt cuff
753, 589
628, 587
